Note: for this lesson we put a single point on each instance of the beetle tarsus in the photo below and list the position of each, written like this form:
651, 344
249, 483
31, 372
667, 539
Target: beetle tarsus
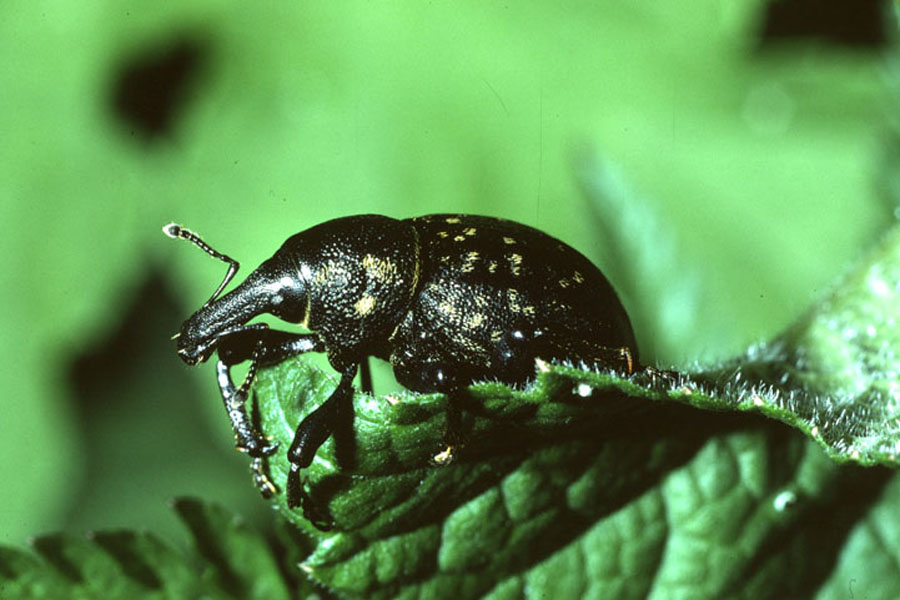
297, 497
312, 432
262, 346
261, 478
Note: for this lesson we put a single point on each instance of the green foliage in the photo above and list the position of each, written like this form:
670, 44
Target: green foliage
302, 112
597, 485
754, 175
585, 484
834, 373
230, 561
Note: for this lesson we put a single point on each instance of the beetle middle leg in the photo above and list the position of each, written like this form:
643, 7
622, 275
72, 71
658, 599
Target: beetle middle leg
312, 432
365, 376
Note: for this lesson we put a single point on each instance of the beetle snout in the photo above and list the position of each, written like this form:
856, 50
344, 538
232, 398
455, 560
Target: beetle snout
188, 357
192, 356
193, 347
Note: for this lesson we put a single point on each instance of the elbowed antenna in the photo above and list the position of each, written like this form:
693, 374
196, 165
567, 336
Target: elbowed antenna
174, 230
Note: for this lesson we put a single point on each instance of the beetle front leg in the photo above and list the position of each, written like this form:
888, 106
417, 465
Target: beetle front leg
261, 478
247, 439
262, 346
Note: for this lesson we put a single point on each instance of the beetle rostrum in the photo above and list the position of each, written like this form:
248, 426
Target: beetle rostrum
448, 300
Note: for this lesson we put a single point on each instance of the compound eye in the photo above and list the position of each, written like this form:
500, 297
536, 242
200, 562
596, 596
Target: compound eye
292, 312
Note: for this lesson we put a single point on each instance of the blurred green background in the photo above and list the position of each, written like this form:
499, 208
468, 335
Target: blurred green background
722, 160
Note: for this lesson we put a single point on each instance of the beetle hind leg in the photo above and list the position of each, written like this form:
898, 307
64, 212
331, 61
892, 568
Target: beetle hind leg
454, 434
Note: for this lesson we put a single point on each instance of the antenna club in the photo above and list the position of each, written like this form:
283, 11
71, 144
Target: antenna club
173, 230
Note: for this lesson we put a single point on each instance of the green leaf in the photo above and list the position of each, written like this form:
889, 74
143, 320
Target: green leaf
24, 576
239, 561
835, 373
595, 484
116, 564
232, 562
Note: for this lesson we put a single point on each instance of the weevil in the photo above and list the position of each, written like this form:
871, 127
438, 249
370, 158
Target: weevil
447, 299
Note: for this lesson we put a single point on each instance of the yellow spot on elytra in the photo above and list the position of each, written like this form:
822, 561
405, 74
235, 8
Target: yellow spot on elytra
469, 262
452, 220
459, 238
443, 234
515, 261
365, 305
625, 353
508, 240
469, 231
529, 310
577, 277
512, 299
496, 335
474, 321
492, 266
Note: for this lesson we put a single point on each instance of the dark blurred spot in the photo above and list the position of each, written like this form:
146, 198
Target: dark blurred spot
140, 333
151, 90
134, 402
144, 421
854, 23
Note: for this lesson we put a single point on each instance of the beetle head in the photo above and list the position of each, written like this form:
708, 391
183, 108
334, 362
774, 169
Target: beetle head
272, 288
275, 287
268, 289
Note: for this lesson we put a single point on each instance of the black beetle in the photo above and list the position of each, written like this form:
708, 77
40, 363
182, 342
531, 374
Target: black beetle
447, 299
